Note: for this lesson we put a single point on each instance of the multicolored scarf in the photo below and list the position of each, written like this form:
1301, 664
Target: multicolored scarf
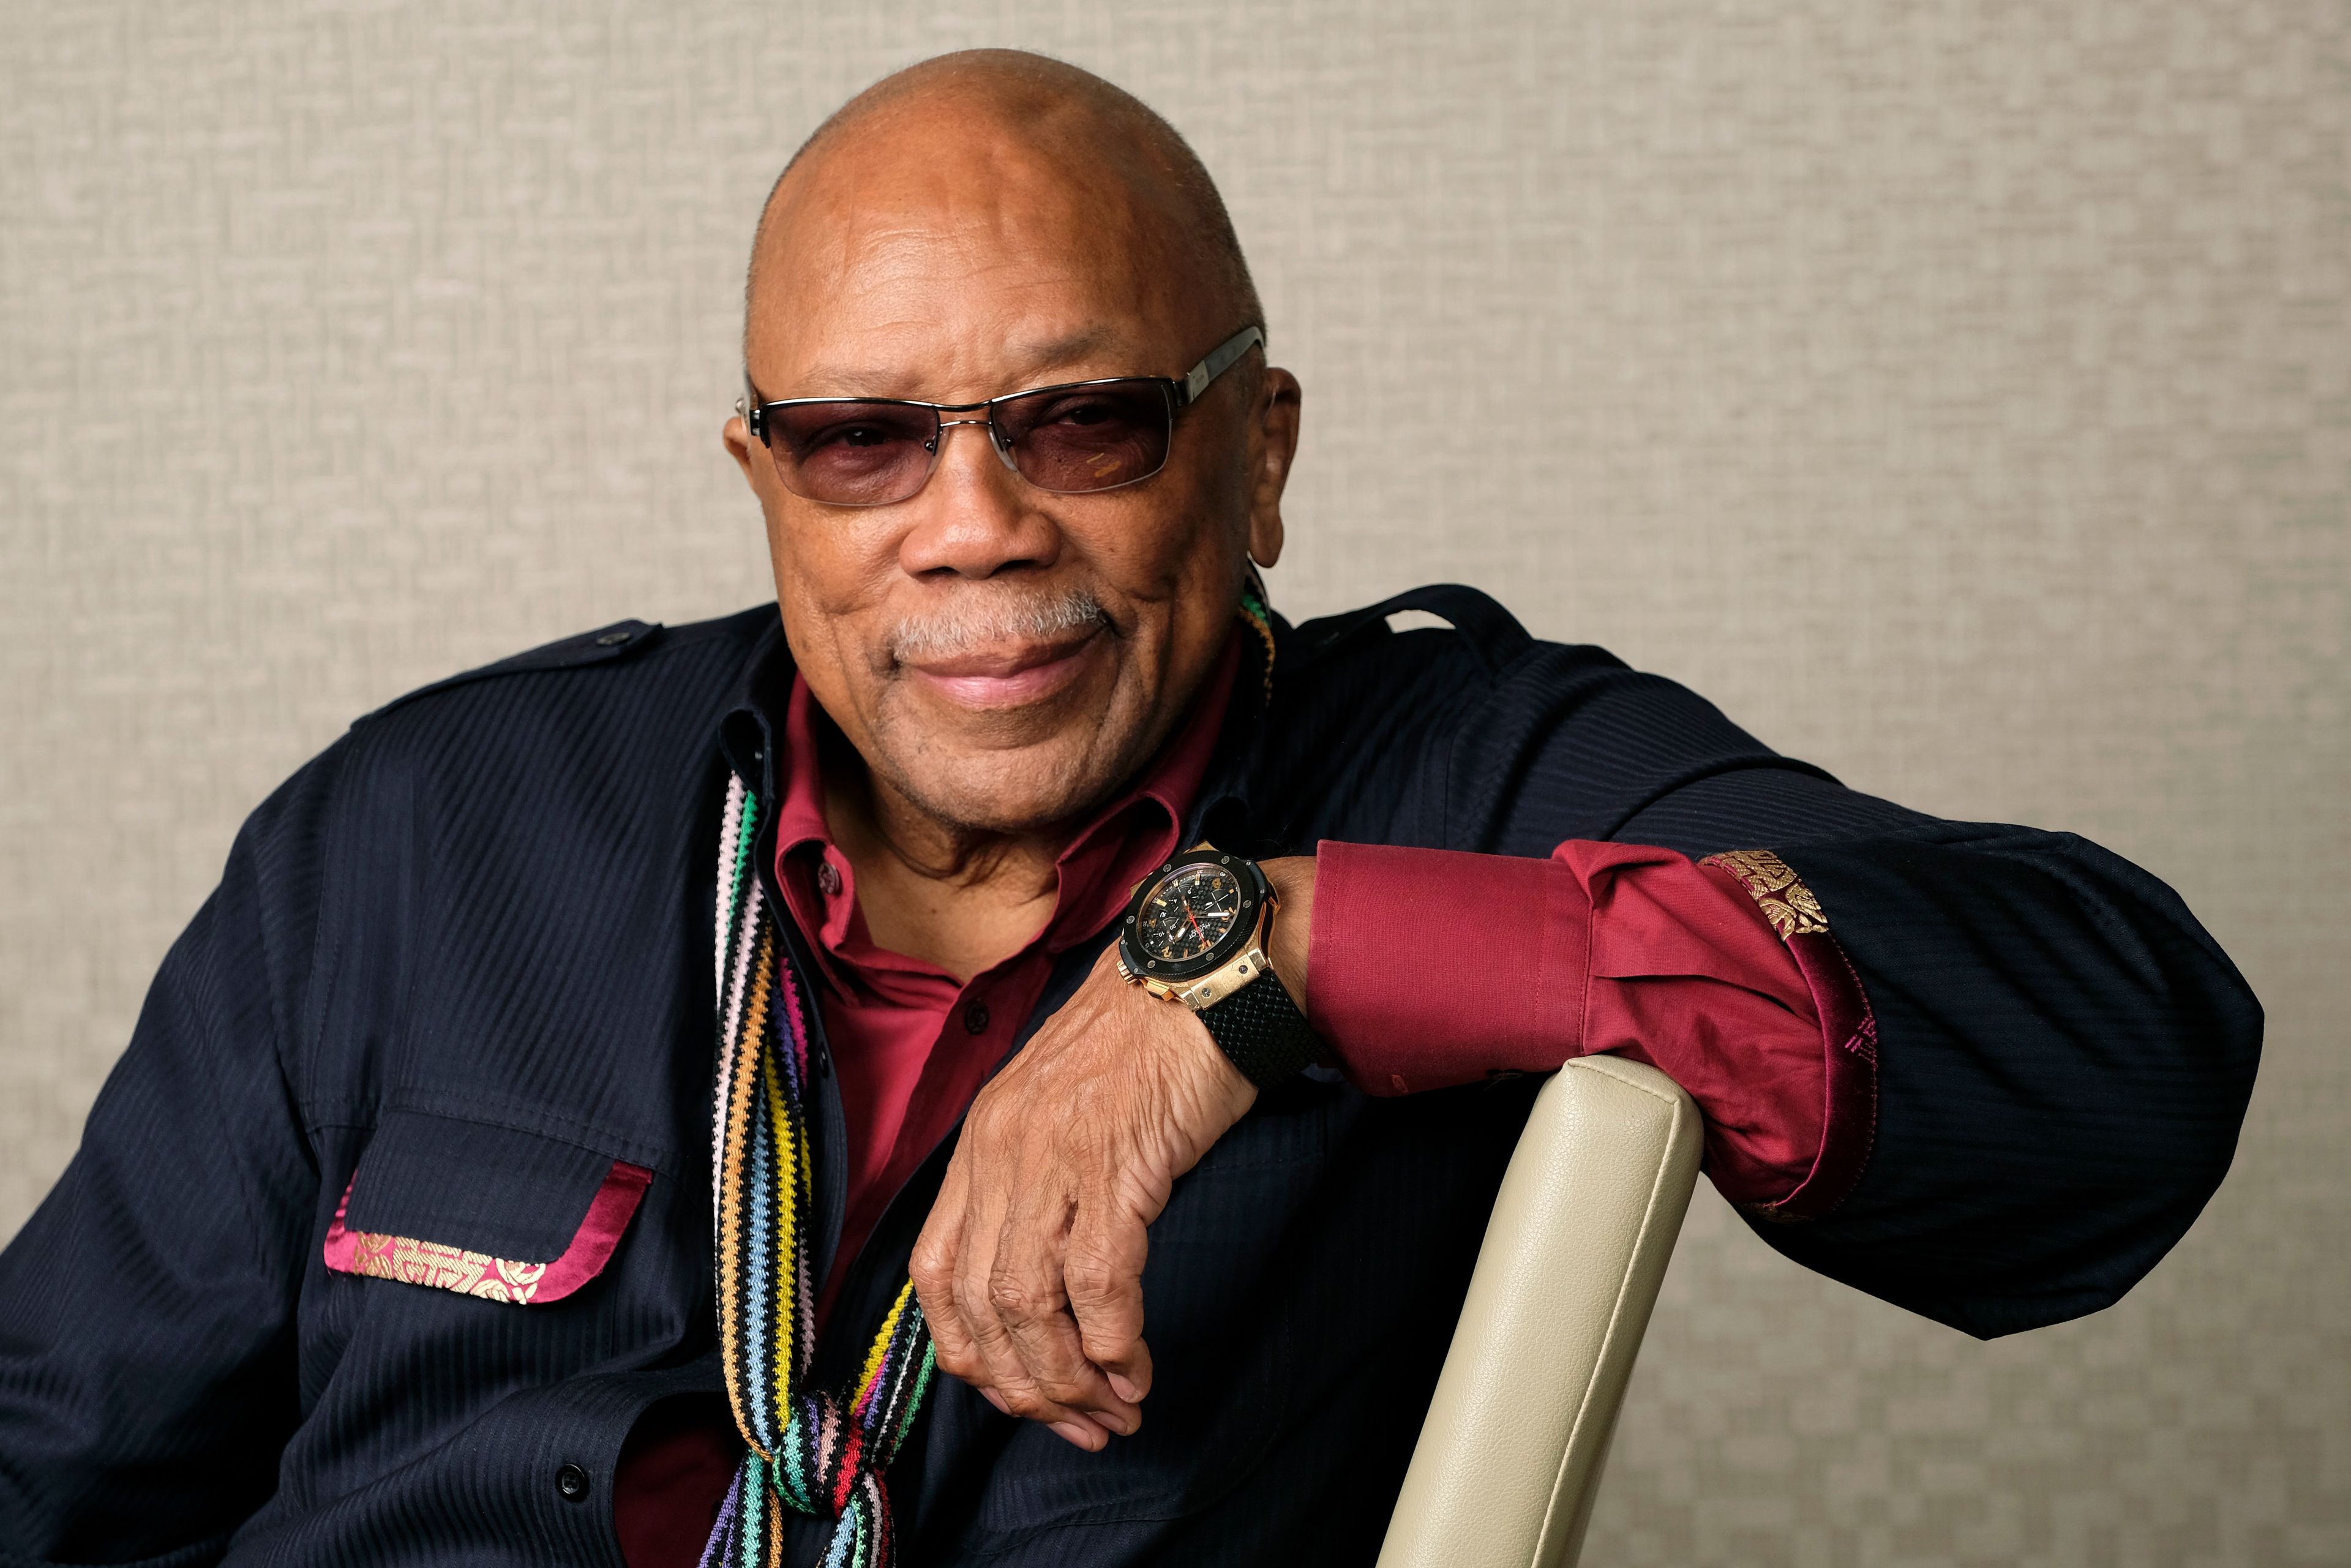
810, 1451
815, 1451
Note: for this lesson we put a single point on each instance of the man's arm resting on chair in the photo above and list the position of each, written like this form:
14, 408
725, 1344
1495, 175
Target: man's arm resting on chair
2056, 1097
1030, 1268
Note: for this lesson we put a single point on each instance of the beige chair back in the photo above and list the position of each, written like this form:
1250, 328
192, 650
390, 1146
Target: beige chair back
1508, 1459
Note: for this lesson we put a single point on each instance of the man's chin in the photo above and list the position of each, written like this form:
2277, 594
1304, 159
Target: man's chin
1014, 789
1018, 766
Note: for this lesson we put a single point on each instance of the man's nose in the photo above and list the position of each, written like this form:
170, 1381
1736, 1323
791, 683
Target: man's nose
977, 517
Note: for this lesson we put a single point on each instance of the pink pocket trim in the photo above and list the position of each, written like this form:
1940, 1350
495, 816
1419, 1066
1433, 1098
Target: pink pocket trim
441, 1266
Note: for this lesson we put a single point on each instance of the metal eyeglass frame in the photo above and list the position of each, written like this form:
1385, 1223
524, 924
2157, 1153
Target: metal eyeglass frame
1182, 392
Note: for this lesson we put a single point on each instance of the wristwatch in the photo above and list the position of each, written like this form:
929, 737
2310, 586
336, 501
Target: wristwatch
1196, 933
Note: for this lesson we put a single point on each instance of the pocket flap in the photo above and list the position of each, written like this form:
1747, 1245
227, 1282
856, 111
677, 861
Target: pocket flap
483, 1210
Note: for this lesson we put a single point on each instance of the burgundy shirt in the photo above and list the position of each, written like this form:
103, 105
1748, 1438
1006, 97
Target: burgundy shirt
1425, 968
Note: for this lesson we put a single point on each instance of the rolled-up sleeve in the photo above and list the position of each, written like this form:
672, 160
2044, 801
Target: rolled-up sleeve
1433, 968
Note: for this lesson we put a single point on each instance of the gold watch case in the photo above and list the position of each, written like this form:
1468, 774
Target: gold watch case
1244, 965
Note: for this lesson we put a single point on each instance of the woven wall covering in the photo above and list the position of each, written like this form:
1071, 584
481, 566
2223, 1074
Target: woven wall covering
1960, 396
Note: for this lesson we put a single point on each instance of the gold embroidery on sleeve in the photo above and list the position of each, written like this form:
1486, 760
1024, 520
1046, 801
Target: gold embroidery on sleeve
1777, 891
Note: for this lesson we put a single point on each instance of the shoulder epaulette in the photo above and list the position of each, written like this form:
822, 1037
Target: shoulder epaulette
1492, 633
604, 645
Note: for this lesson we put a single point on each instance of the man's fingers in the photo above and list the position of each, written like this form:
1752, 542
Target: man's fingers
933, 1269
1031, 1265
1003, 1368
951, 1267
1027, 1288
1101, 1269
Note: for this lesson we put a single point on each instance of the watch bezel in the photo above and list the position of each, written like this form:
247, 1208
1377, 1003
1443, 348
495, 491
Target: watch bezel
1255, 893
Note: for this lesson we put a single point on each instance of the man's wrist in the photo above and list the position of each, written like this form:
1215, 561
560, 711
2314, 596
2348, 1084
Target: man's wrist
1289, 948
1232, 1082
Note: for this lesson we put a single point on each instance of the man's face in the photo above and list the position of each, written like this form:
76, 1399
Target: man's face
1001, 655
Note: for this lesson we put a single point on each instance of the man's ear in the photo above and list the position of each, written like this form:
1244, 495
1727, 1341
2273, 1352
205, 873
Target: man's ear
737, 436
1273, 444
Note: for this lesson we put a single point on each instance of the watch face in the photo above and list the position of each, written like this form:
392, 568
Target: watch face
1187, 914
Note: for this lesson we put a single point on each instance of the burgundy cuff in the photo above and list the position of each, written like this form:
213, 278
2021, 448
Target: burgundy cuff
1430, 967
1848, 1029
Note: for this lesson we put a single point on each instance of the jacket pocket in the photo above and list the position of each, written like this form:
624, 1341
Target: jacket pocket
483, 1210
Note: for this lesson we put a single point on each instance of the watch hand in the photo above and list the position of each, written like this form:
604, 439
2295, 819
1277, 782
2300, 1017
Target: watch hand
1192, 918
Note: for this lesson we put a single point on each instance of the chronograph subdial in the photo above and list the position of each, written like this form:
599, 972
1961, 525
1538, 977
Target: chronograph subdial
1188, 913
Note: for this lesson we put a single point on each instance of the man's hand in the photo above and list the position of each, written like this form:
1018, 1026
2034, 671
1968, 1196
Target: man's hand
1030, 1267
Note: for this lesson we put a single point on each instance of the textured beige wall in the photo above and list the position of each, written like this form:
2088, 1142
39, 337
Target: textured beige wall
1961, 395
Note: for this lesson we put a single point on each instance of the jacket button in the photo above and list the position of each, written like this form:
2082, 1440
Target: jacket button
974, 1018
613, 639
573, 1482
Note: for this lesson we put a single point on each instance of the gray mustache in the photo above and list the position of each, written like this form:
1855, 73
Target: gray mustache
994, 620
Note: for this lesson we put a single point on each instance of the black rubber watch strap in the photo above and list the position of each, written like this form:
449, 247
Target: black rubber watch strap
1261, 1030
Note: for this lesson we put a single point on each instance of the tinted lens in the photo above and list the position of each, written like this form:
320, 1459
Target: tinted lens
1087, 437
853, 453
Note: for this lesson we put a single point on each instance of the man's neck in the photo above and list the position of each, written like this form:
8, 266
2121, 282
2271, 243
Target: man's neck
964, 899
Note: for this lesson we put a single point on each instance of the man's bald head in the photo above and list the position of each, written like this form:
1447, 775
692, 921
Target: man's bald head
999, 652
1091, 130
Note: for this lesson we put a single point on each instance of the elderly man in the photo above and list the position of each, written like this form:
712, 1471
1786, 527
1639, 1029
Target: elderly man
609, 1088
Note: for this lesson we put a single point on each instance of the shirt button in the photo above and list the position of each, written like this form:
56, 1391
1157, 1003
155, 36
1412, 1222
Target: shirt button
974, 1018
573, 1482
613, 639
828, 878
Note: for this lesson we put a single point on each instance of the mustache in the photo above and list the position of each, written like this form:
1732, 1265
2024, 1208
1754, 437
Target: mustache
988, 618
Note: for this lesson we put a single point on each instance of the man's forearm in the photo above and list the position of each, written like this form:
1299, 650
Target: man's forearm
2000, 1069
1434, 968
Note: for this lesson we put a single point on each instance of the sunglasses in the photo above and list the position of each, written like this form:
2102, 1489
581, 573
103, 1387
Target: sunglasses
1073, 439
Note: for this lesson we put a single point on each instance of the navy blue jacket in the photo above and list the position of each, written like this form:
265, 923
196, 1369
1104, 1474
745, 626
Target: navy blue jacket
466, 954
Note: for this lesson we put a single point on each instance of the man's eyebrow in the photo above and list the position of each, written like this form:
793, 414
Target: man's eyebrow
1041, 363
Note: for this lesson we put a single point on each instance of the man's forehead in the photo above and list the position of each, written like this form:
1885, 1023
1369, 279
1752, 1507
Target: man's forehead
927, 326
1023, 222
987, 251
934, 362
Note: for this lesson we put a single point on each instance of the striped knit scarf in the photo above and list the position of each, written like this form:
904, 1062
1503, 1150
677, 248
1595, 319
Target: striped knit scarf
815, 1451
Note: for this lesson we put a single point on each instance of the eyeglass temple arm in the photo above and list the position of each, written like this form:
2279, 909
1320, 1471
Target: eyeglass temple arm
1220, 359
751, 411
